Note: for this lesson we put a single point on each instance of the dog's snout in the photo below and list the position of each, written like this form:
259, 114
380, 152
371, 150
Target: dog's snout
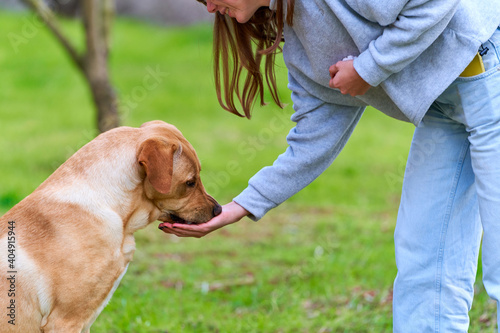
217, 210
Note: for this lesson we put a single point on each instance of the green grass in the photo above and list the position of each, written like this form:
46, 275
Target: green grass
321, 262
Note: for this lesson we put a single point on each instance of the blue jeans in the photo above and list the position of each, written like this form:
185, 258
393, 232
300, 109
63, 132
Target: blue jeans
451, 194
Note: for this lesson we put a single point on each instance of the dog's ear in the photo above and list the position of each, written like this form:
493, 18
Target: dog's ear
156, 155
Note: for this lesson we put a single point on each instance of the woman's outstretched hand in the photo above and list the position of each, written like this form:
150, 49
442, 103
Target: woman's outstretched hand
345, 78
231, 213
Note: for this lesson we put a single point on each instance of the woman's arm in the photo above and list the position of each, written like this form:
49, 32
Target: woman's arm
321, 132
410, 27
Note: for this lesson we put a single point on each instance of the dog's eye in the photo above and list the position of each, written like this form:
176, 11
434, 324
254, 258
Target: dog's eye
190, 183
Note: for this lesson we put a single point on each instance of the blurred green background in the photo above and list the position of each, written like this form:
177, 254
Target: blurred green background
321, 262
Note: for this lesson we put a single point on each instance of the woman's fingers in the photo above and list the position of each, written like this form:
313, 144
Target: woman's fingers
333, 70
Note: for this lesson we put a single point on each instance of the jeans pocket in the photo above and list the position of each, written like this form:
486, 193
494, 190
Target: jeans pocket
491, 57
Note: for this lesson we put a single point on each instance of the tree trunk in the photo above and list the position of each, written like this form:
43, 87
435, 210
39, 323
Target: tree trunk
96, 20
104, 98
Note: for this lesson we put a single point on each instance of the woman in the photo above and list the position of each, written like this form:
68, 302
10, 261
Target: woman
405, 59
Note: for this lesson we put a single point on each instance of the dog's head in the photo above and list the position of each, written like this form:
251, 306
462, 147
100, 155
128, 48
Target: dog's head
171, 173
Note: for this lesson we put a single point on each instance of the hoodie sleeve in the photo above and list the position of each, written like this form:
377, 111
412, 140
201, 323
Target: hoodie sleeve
410, 27
321, 131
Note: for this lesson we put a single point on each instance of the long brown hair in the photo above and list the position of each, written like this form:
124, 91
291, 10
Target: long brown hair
238, 52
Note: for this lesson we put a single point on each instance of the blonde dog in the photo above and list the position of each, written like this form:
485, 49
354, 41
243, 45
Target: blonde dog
66, 246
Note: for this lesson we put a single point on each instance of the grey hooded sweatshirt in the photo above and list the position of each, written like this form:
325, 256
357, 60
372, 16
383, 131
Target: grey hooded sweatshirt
408, 51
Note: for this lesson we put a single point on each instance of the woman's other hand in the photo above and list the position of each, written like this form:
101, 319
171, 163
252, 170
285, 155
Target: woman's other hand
231, 213
345, 78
